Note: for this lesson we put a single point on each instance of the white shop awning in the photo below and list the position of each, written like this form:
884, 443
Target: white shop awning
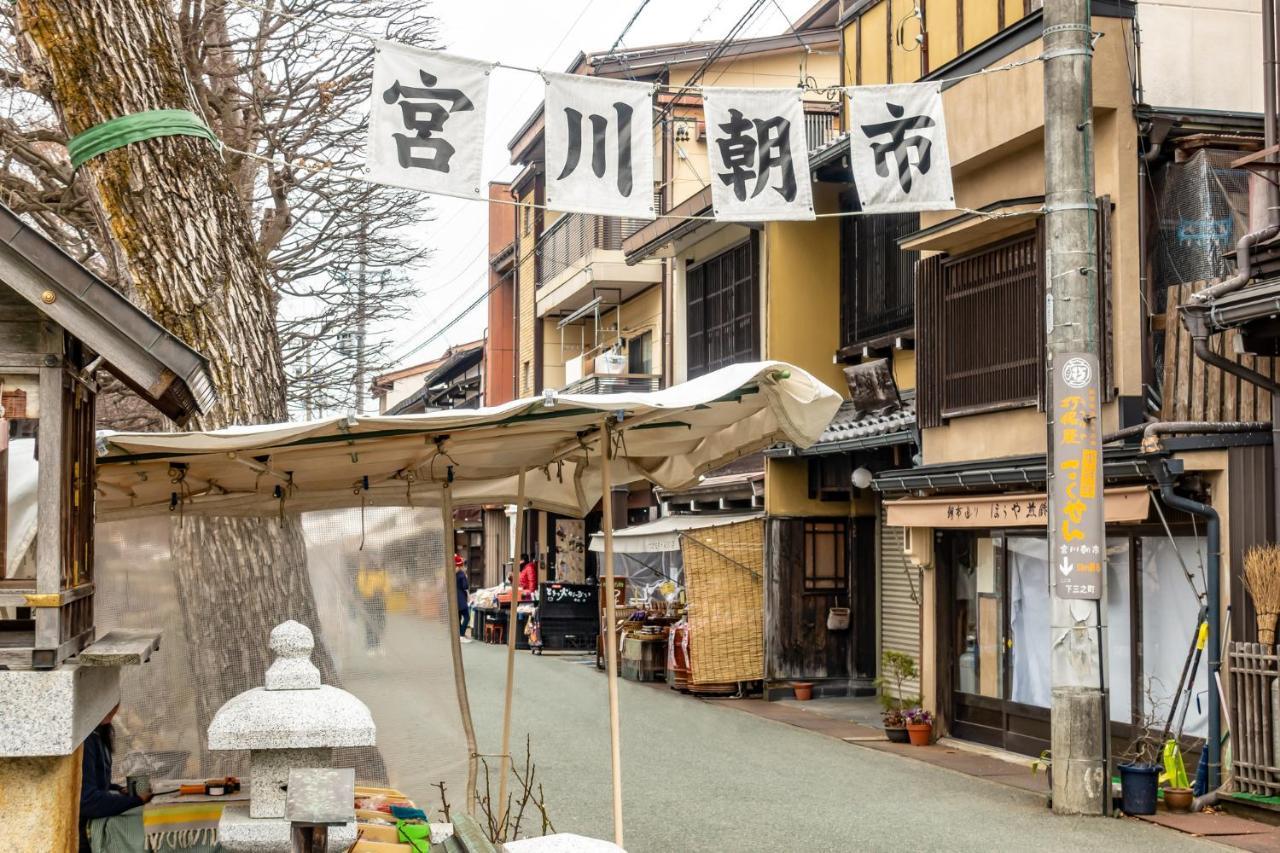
667, 437
664, 534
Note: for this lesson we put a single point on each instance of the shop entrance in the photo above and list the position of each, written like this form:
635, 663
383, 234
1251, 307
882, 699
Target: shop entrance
994, 636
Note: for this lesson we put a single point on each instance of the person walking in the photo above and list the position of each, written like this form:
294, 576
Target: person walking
464, 603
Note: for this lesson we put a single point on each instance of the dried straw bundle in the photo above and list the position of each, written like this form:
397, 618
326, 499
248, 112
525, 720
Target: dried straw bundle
1262, 579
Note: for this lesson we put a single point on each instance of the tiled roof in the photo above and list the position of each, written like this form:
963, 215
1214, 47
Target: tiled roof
850, 430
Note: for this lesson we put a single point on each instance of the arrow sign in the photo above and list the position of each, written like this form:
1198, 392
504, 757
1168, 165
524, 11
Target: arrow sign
1067, 567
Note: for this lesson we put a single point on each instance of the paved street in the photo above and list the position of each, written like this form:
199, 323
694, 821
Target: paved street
702, 776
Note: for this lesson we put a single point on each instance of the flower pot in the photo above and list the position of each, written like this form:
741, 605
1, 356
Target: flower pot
803, 690
1178, 799
1138, 788
897, 734
921, 734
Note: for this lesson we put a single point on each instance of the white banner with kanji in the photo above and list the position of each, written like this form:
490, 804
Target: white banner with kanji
758, 154
898, 148
426, 120
599, 145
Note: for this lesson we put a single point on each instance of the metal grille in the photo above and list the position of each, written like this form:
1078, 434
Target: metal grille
722, 319
877, 280
819, 129
992, 352
573, 235
616, 383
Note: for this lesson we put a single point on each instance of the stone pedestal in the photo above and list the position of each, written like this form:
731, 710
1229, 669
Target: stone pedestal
293, 721
35, 798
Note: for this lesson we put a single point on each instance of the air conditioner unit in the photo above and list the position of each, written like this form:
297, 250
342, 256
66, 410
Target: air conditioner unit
917, 545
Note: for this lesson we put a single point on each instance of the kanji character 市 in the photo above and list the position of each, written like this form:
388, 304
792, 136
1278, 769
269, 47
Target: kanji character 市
899, 145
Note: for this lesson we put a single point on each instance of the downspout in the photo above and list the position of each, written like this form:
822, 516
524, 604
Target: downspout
1196, 319
1160, 468
1271, 227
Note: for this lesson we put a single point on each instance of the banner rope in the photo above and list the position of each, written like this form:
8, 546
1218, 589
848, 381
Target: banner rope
704, 217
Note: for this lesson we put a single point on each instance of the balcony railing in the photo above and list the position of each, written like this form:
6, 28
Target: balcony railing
820, 128
614, 383
573, 235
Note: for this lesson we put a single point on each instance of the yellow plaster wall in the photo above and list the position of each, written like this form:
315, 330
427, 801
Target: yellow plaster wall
882, 60
998, 154
786, 492
642, 313
39, 804
904, 369
526, 295
802, 282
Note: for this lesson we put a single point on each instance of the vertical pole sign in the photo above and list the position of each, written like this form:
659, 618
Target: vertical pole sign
1076, 497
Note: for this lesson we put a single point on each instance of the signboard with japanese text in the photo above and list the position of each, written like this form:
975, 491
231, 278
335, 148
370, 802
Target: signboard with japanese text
426, 120
599, 138
1077, 523
898, 148
759, 159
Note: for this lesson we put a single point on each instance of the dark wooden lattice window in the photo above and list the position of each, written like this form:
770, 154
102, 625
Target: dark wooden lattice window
993, 346
722, 311
826, 567
877, 279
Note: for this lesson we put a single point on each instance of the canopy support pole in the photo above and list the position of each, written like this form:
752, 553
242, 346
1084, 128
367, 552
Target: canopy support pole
611, 624
512, 624
455, 640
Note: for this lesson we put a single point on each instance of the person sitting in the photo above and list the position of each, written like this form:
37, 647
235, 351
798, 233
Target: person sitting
99, 798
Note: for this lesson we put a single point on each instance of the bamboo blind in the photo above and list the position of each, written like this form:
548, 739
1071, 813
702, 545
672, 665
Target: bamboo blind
724, 571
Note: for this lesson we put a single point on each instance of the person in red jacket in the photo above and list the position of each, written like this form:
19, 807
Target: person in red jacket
528, 575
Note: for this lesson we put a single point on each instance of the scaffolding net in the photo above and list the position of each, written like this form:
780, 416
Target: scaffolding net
369, 583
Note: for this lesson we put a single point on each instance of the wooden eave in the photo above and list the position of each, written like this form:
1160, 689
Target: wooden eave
134, 348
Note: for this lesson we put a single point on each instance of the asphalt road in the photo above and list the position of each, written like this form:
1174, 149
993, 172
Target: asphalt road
698, 776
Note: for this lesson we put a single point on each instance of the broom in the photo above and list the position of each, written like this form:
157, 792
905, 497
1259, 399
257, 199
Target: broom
1262, 579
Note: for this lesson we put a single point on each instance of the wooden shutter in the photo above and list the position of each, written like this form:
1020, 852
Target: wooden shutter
696, 321
930, 344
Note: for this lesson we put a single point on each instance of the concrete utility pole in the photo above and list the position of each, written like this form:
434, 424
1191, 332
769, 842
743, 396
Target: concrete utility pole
1077, 552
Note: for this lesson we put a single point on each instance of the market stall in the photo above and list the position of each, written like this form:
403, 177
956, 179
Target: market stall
695, 597
560, 453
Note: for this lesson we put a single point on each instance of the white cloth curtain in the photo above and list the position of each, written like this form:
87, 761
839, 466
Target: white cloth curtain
758, 153
599, 137
426, 120
1030, 620
1169, 612
898, 148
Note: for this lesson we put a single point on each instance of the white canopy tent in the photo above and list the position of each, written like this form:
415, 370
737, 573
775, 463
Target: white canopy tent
543, 453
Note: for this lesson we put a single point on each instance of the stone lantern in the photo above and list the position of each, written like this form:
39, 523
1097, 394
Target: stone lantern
293, 721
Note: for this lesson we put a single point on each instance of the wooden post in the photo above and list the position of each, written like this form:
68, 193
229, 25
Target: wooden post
455, 644
611, 625
49, 498
512, 623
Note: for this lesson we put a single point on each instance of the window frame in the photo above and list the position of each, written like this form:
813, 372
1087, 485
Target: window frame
734, 336
837, 581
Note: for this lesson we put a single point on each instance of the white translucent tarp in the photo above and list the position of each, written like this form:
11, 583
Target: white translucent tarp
667, 437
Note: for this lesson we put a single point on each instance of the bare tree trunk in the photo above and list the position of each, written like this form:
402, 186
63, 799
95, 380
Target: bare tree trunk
191, 256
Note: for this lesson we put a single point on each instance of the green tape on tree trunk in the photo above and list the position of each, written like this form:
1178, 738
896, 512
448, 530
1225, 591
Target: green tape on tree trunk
119, 132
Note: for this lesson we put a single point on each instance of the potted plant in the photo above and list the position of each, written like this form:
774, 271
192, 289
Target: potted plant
1140, 773
895, 725
895, 669
919, 726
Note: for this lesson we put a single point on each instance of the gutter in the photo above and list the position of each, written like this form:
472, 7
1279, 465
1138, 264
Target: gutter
1163, 470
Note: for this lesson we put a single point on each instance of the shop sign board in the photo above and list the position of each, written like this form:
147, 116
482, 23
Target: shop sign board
1077, 530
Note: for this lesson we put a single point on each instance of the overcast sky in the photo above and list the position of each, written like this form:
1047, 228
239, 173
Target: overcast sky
543, 34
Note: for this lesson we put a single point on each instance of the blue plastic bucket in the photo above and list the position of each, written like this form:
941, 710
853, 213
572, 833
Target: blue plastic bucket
1138, 788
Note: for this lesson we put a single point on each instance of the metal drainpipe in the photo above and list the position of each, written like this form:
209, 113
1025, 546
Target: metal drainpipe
1213, 572
1244, 266
1151, 432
